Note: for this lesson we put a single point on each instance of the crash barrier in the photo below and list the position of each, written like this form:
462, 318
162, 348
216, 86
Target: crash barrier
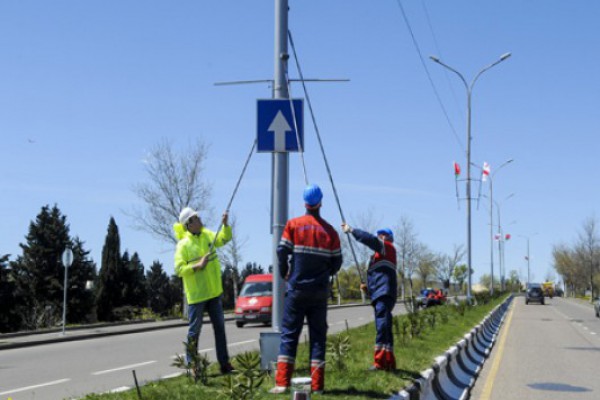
453, 374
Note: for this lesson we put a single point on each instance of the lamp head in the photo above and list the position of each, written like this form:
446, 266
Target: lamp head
505, 56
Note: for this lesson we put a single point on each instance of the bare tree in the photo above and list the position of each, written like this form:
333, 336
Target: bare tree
175, 180
231, 254
427, 262
448, 263
589, 247
407, 244
365, 221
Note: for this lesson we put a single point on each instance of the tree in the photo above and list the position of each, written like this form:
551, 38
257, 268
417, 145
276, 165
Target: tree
588, 244
407, 244
159, 295
251, 269
10, 320
448, 263
80, 297
426, 264
110, 293
231, 256
134, 281
38, 274
460, 275
175, 181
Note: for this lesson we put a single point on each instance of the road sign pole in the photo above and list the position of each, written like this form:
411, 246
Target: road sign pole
280, 185
67, 260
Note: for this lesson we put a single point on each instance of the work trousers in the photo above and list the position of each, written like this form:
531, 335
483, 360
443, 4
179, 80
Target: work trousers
214, 307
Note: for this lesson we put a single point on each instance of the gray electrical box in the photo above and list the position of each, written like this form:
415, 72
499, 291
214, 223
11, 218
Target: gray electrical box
269, 350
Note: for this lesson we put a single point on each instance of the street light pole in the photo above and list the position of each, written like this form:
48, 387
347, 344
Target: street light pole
491, 177
469, 89
501, 242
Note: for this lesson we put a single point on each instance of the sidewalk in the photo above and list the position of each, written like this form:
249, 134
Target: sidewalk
26, 339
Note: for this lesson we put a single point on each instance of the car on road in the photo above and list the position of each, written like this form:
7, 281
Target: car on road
534, 293
255, 302
431, 297
597, 306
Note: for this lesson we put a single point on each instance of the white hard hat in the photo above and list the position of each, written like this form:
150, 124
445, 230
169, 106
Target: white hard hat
186, 214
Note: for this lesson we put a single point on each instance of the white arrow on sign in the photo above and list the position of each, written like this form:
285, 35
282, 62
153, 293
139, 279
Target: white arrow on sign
279, 127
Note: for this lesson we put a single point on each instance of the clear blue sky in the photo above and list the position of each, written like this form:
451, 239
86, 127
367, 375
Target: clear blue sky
87, 87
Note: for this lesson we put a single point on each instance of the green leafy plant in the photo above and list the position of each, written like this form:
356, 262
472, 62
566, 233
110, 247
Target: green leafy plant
338, 350
197, 368
247, 378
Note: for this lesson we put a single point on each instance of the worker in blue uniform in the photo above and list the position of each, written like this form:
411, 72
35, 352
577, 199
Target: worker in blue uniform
382, 287
309, 253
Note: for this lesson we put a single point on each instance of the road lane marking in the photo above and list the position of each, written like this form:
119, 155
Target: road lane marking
175, 375
22, 389
119, 389
489, 383
108, 371
242, 343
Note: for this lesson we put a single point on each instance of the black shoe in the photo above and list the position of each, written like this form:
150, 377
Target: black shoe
227, 369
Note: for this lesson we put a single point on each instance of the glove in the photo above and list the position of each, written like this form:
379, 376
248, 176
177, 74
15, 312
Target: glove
363, 288
346, 228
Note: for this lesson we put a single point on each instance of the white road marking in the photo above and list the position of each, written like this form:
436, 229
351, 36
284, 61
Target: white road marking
108, 371
175, 375
119, 389
241, 343
22, 389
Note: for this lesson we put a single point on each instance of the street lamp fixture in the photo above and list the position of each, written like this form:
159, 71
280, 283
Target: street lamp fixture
469, 90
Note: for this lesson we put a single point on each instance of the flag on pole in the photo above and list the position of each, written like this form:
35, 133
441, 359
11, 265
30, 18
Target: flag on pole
485, 172
507, 236
456, 170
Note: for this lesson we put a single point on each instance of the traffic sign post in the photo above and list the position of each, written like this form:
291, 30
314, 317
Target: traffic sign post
67, 260
278, 126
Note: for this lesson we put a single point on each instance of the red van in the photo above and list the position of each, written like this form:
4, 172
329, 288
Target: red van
255, 301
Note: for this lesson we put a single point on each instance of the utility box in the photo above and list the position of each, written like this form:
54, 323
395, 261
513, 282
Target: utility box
269, 350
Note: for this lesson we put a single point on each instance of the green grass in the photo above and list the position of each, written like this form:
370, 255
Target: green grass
412, 356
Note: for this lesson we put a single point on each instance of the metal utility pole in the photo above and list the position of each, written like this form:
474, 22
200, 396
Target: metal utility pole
469, 89
280, 184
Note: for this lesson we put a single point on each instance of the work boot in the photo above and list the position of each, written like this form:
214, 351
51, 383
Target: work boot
317, 374
285, 369
227, 369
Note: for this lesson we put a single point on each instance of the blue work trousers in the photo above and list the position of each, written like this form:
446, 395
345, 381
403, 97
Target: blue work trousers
214, 307
383, 307
312, 305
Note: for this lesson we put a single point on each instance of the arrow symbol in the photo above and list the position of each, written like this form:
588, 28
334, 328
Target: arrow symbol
279, 126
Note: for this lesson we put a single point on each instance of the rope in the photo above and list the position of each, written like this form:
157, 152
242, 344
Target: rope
212, 245
337, 199
300, 149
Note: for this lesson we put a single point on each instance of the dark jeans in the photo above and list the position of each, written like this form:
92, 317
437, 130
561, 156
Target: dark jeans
312, 305
214, 307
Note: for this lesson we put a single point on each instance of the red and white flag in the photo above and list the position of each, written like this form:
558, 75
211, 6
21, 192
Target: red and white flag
485, 172
456, 170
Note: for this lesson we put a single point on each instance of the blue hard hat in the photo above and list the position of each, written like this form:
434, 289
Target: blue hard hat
386, 231
313, 195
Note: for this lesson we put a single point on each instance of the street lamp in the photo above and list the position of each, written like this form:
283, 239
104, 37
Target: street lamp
528, 258
501, 242
469, 89
491, 178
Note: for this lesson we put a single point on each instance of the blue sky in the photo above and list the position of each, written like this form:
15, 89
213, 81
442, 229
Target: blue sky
88, 87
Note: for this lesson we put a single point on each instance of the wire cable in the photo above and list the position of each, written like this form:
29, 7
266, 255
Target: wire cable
337, 199
300, 149
435, 91
212, 245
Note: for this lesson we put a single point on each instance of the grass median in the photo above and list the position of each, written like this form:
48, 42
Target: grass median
418, 339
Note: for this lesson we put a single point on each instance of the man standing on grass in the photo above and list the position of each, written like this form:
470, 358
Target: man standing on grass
309, 254
382, 286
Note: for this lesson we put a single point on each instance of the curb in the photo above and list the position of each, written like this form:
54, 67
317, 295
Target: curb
453, 374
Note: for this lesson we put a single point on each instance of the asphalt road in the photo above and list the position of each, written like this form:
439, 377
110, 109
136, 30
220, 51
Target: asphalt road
544, 352
75, 368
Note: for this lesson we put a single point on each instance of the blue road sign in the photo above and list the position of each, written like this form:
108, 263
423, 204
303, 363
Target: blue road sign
277, 124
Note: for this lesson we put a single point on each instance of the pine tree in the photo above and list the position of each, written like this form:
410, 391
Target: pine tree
134, 281
80, 298
10, 321
157, 283
109, 293
38, 273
